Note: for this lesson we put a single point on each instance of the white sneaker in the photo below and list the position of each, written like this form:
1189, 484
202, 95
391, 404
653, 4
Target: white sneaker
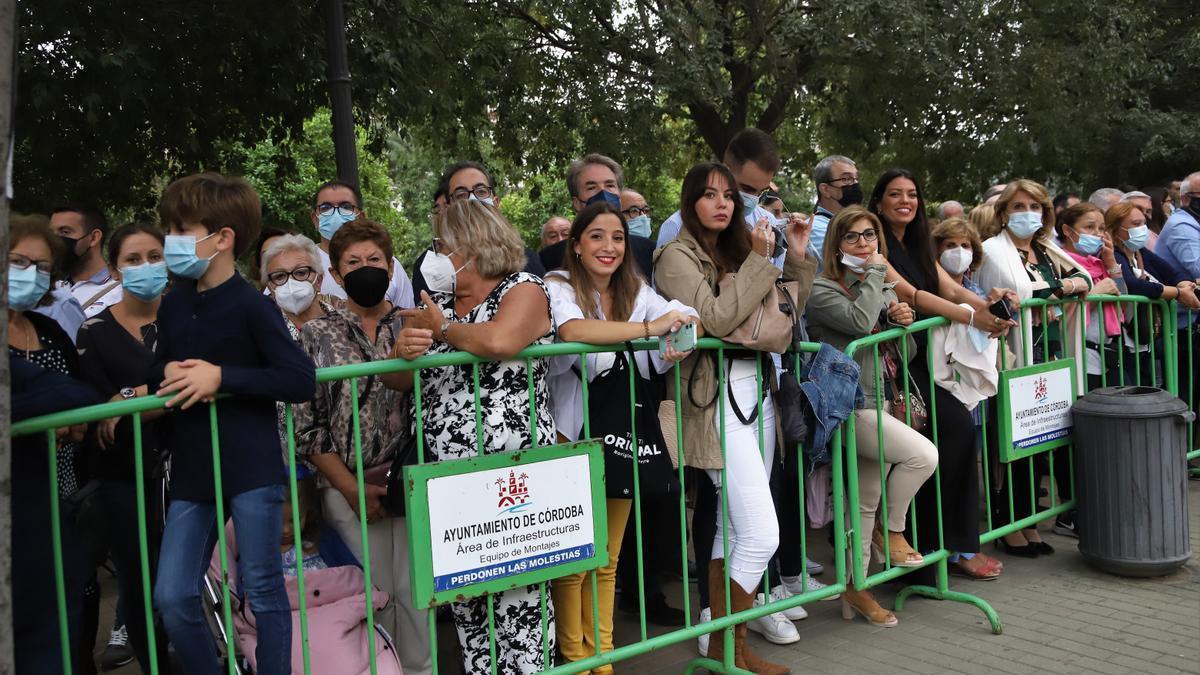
794, 586
813, 566
780, 593
702, 641
775, 628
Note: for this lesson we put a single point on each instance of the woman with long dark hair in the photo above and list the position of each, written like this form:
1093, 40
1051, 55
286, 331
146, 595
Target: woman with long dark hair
898, 202
714, 242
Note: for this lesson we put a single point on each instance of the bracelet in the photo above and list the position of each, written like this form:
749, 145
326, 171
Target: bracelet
1115, 272
971, 321
646, 327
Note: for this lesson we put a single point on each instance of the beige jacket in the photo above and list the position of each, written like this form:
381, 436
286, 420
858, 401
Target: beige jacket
683, 272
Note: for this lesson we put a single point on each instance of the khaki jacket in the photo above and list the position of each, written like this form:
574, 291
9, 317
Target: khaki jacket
683, 272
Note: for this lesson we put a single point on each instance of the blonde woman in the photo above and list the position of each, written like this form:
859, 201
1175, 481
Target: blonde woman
494, 311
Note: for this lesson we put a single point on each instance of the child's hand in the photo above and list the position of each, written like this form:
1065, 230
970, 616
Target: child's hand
193, 379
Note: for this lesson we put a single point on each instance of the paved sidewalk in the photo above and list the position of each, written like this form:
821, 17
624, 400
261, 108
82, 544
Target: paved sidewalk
1059, 616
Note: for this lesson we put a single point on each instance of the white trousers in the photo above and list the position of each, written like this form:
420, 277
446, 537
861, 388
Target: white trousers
751, 522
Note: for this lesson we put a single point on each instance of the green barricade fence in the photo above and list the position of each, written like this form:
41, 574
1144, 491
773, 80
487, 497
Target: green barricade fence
1164, 360
1147, 353
427, 367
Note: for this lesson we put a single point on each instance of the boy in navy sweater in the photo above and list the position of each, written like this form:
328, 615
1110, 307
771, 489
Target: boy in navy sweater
218, 335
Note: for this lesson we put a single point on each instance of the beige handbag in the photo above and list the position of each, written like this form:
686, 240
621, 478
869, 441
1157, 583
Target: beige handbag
772, 326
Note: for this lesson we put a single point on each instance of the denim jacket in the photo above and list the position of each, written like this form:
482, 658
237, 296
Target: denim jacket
831, 388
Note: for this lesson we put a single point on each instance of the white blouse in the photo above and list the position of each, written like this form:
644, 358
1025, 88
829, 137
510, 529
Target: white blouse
566, 391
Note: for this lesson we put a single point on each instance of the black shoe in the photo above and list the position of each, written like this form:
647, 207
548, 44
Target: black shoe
1065, 525
1041, 547
1026, 551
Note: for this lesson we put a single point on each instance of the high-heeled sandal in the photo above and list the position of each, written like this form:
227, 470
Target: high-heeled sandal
864, 604
899, 550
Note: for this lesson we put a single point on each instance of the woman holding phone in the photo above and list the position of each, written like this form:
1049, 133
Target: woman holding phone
599, 297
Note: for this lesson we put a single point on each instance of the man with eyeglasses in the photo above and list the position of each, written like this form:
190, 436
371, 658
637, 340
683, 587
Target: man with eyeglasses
595, 178
335, 204
466, 180
637, 213
753, 159
836, 179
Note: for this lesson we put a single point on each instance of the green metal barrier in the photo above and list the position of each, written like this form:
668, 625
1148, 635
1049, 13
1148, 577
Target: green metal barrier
422, 368
1163, 367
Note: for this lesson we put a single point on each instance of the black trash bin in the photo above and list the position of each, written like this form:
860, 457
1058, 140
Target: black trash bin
1131, 480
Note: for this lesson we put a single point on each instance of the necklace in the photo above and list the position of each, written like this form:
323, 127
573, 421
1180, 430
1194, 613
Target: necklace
28, 330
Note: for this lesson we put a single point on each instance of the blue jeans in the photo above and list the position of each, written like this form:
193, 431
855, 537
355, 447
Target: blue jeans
187, 548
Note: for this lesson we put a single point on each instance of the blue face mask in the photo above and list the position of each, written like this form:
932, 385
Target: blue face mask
26, 287
486, 200
749, 203
328, 224
1024, 224
1138, 237
146, 281
180, 252
1089, 244
613, 199
640, 226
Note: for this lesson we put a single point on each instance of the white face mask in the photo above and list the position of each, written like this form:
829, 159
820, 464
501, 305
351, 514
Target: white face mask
856, 264
956, 260
439, 272
295, 297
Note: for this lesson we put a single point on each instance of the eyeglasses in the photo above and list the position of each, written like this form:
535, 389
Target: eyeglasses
635, 211
843, 182
343, 209
853, 237
22, 263
302, 273
480, 191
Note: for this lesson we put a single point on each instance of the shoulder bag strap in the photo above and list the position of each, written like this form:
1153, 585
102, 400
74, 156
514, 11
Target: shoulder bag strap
103, 292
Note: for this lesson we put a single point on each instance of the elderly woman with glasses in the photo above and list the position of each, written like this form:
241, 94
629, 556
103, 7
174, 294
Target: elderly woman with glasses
361, 423
292, 276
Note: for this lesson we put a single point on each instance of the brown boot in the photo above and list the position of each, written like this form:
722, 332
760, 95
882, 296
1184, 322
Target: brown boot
716, 605
740, 599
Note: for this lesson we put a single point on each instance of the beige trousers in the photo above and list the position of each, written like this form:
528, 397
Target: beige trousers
912, 459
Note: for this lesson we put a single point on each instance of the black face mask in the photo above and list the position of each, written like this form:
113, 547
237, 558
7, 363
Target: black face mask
851, 195
366, 286
70, 256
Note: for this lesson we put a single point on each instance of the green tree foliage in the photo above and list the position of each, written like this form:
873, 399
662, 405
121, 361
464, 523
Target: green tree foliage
116, 98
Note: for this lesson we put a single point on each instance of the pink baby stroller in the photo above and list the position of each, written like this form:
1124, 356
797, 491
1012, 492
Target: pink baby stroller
336, 604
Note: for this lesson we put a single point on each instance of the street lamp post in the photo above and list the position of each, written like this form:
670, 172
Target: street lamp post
339, 91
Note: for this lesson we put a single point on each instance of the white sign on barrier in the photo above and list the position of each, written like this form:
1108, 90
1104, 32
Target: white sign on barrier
1037, 408
491, 524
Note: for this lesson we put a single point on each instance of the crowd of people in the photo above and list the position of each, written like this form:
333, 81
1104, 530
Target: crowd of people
167, 309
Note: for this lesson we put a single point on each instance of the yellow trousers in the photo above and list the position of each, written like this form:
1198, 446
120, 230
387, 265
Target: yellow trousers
573, 597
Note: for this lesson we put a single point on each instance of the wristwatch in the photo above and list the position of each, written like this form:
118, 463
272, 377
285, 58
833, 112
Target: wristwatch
128, 393
445, 327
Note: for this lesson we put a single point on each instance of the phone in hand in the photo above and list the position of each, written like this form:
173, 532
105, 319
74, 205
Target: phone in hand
681, 340
1001, 309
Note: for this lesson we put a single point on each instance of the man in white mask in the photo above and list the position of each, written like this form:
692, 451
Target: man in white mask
432, 271
753, 158
335, 204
